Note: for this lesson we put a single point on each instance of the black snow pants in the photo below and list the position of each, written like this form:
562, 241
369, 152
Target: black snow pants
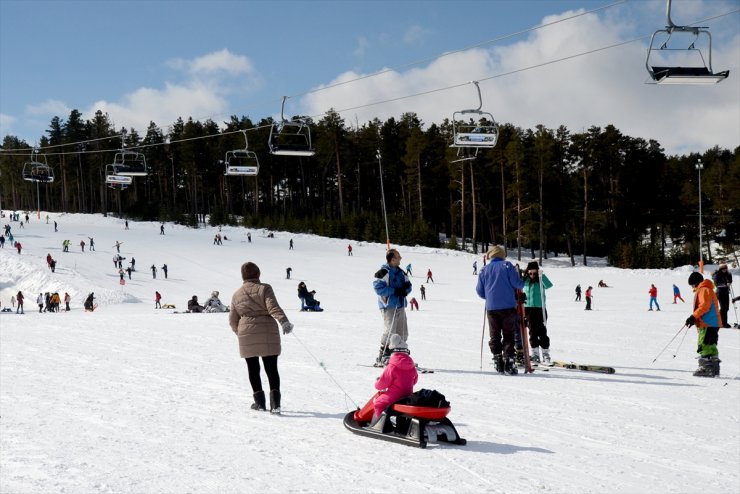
502, 326
537, 330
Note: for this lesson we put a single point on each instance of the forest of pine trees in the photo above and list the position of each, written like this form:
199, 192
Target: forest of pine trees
593, 193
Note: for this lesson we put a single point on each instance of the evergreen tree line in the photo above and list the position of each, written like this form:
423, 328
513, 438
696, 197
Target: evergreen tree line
595, 193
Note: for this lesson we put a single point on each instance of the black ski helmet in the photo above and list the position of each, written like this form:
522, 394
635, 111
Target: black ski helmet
695, 278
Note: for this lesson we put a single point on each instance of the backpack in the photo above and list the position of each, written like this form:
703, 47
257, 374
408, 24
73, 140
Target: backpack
427, 398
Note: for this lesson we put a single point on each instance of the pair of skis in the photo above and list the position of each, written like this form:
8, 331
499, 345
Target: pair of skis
420, 370
602, 369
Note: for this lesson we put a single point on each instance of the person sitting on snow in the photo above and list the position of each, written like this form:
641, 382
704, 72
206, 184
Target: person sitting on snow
214, 304
308, 302
89, 304
398, 378
193, 305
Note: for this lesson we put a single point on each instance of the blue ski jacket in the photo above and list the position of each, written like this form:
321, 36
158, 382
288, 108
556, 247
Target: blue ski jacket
387, 279
497, 283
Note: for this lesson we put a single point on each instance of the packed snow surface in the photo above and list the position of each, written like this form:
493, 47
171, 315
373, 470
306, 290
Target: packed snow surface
131, 398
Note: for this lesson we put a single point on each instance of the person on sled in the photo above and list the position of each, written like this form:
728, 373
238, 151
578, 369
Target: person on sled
308, 302
398, 378
214, 304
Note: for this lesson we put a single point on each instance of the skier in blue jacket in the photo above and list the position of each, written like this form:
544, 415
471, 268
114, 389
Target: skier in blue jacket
497, 284
392, 285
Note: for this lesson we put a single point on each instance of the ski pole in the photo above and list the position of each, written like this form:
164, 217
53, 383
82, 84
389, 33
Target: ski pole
674, 337
482, 335
390, 331
680, 343
321, 364
734, 308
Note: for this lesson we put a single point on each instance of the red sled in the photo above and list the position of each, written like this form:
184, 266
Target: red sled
405, 424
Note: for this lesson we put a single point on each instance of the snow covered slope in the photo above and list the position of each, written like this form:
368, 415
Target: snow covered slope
134, 399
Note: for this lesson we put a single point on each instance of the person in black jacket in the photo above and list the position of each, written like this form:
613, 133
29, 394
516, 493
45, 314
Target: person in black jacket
193, 305
722, 280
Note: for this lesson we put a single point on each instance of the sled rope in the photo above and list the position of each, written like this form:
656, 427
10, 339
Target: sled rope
321, 364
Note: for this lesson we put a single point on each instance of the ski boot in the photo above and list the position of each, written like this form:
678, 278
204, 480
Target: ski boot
498, 361
510, 368
259, 401
535, 358
520, 357
706, 367
546, 356
715, 365
275, 401
383, 357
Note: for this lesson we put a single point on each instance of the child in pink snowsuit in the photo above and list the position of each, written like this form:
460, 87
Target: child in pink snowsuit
397, 379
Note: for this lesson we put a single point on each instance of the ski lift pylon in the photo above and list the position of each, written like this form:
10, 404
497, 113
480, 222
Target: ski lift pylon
37, 169
666, 73
242, 162
472, 134
290, 137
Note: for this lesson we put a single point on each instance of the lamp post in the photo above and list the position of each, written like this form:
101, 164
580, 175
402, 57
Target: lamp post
382, 194
699, 167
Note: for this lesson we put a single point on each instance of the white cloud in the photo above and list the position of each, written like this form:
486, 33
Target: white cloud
163, 106
48, 108
210, 79
602, 88
362, 45
219, 62
6, 124
414, 34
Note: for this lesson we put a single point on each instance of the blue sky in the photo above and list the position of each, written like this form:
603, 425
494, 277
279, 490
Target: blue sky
144, 61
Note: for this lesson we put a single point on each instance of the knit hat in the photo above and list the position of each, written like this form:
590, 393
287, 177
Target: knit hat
533, 266
397, 344
250, 271
496, 251
723, 266
214, 293
695, 278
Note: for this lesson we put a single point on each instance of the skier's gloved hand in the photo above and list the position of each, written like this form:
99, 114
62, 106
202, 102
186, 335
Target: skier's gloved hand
522, 297
399, 292
381, 273
287, 327
407, 285
691, 320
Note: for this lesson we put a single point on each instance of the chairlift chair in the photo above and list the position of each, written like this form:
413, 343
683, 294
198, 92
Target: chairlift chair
290, 137
130, 164
242, 162
482, 133
37, 169
113, 178
673, 74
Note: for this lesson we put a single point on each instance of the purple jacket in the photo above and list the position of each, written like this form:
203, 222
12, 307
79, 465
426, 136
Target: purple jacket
398, 377
497, 282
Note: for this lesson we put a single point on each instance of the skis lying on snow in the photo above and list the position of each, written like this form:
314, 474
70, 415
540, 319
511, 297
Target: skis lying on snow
581, 367
420, 370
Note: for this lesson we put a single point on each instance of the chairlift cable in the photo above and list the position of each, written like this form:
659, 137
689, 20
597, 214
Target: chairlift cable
21, 152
